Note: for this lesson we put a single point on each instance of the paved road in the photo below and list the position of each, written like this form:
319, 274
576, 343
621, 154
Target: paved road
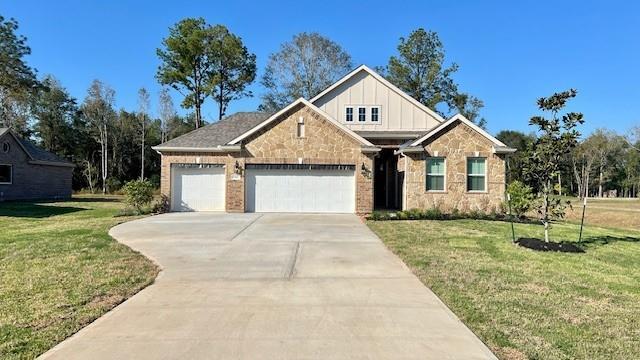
273, 286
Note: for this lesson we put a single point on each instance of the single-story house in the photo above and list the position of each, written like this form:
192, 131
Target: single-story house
361, 144
29, 172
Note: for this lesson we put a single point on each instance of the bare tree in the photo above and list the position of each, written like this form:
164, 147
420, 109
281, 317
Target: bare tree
167, 113
143, 113
98, 110
303, 67
582, 161
89, 172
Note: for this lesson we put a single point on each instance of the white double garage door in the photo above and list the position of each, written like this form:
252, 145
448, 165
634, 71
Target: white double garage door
268, 188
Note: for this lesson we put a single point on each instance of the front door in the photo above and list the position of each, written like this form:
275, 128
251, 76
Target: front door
387, 181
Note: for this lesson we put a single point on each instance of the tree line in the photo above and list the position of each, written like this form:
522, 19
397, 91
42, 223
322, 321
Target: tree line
204, 62
111, 146
603, 164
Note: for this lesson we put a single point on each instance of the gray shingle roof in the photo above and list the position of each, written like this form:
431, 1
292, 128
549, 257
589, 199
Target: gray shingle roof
35, 152
220, 132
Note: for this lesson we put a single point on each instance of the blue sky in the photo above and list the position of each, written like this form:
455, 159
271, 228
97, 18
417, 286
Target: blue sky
509, 52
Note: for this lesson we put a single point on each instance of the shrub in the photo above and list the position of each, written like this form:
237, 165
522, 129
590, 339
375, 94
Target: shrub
433, 214
161, 206
113, 184
414, 214
521, 197
377, 215
138, 194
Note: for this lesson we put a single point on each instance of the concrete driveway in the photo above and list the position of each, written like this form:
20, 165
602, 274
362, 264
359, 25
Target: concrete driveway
272, 286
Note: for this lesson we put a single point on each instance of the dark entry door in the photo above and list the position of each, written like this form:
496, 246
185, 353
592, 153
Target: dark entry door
386, 180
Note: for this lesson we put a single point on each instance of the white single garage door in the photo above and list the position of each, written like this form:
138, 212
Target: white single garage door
320, 189
197, 187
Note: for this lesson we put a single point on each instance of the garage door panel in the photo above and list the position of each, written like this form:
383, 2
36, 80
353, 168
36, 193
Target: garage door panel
299, 190
198, 189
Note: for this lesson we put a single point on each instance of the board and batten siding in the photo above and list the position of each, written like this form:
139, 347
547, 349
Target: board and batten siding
396, 112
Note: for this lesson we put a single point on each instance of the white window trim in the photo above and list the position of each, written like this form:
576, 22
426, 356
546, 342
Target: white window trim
466, 178
365, 115
352, 114
10, 175
379, 114
444, 175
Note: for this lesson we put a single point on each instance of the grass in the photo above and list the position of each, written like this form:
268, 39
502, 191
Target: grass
526, 304
60, 270
621, 213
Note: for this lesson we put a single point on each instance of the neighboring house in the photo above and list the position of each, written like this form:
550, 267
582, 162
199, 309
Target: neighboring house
28, 172
361, 144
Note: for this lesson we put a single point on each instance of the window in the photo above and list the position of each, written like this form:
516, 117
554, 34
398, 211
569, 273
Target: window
5, 174
6, 147
435, 174
476, 174
300, 131
348, 114
362, 114
375, 114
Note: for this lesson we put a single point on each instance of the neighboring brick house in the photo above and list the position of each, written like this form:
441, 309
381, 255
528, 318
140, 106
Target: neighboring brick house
28, 172
361, 144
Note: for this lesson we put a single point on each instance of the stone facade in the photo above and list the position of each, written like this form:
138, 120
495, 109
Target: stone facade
455, 144
32, 181
323, 143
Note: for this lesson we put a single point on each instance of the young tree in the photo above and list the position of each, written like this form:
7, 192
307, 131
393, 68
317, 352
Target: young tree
98, 110
143, 113
167, 113
233, 67
420, 71
303, 67
556, 137
18, 83
54, 112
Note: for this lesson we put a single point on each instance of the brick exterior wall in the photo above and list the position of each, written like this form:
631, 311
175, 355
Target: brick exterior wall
278, 142
456, 143
33, 181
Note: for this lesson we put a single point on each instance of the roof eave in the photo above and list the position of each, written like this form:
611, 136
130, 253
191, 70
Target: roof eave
219, 148
370, 149
503, 150
409, 149
52, 163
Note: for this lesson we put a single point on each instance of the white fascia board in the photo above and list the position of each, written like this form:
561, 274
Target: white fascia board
224, 148
464, 120
387, 83
305, 102
503, 150
370, 149
409, 150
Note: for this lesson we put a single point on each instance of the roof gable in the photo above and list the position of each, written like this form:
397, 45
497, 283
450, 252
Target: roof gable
301, 101
35, 154
383, 81
498, 147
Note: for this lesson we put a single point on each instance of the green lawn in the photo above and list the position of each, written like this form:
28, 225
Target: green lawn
525, 303
60, 270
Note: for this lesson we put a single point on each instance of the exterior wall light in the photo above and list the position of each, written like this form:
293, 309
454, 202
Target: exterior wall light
237, 169
366, 172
